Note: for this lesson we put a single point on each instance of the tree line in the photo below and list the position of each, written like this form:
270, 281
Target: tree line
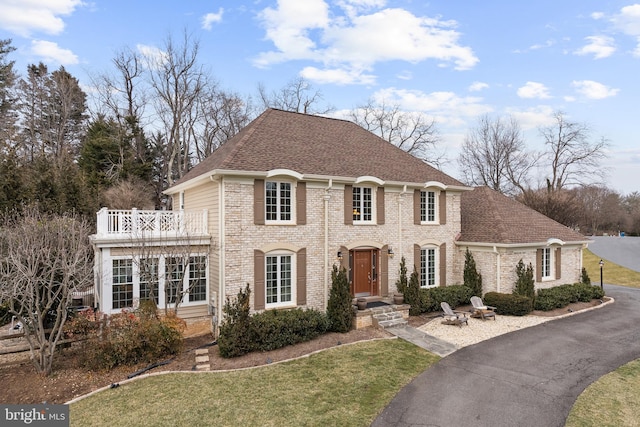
153, 116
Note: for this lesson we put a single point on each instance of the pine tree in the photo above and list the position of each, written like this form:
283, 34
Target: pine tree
525, 285
402, 283
472, 279
339, 308
412, 295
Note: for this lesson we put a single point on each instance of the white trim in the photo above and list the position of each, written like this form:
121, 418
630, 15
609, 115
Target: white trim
359, 180
293, 280
284, 172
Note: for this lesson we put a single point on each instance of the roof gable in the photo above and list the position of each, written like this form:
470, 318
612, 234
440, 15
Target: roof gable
490, 217
315, 145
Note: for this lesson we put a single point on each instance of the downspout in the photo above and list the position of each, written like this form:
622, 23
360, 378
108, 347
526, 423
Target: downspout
326, 197
221, 252
404, 191
495, 251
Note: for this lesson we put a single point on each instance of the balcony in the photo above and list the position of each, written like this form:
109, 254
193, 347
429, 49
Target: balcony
143, 224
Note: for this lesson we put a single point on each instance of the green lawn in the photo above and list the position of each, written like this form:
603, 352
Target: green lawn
612, 273
345, 386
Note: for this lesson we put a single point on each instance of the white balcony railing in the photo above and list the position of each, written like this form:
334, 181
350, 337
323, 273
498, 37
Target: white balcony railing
136, 223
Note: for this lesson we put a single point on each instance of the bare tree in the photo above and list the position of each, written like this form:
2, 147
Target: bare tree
43, 260
414, 133
179, 82
493, 154
572, 159
298, 95
562, 206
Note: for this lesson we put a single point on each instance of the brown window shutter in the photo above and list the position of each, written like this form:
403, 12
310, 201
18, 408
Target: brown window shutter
416, 207
558, 263
301, 277
348, 205
301, 203
443, 264
416, 258
442, 206
258, 280
258, 202
383, 271
539, 265
380, 206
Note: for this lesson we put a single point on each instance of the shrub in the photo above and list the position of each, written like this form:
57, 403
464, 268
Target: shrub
584, 277
402, 282
234, 338
339, 308
525, 284
472, 279
412, 295
279, 328
5, 315
509, 304
455, 295
128, 339
561, 296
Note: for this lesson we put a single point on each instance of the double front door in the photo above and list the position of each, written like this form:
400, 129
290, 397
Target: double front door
364, 271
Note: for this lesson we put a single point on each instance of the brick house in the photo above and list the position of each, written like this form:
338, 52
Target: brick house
288, 197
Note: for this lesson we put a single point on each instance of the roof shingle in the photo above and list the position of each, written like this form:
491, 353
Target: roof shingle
490, 217
316, 145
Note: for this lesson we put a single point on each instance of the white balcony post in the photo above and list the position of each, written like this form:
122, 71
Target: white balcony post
103, 221
134, 221
205, 222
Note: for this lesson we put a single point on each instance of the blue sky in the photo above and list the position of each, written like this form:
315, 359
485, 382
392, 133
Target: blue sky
451, 60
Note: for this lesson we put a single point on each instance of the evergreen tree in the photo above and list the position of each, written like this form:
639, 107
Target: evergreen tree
402, 283
339, 308
584, 277
525, 284
413, 295
472, 279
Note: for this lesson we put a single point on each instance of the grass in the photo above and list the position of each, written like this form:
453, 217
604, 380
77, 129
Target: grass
610, 401
346, 386
612, 273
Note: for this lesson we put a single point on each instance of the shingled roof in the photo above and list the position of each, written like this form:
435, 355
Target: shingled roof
317, 146
490, 217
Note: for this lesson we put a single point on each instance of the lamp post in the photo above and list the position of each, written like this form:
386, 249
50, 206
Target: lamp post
601, 265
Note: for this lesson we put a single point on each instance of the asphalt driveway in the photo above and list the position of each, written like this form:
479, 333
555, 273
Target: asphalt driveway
526, 378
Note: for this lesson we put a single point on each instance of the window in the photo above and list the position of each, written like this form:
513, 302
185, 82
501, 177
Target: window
197, 278
546, 263
362, 204
149, 279
174, 273
428, 271
427, 206
122, 291
278, 280
278, 201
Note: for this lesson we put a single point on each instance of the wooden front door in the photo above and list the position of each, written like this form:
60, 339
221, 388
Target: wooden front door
365, 280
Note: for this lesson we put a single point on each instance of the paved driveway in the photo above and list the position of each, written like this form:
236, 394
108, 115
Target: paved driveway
526, 378
624, 251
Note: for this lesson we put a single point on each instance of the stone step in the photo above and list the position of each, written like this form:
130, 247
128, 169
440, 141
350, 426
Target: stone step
384, 324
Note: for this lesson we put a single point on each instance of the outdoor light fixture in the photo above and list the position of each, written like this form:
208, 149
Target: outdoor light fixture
390, 253
601, 265
339, 255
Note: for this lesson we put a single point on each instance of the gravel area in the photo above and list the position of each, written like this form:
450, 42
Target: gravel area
479, 330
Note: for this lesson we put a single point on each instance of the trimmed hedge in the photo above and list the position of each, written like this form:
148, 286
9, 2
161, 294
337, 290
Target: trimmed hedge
455, 295
270, 330
509, 304
561, 296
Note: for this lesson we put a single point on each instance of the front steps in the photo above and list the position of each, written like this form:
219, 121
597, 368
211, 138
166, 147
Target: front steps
383, 317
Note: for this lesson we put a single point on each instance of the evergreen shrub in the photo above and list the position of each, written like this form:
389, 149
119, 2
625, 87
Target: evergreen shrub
340, 312
509, 304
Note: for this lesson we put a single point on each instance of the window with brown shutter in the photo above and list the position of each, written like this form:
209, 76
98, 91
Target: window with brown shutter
442, 202
558, 254
301, 277
443, 264
380, 206
348, 205
417, 211
301, 203
258, 280
539, 265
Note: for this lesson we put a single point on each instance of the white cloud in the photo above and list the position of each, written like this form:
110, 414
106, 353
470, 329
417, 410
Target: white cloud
355, 40
405, 75
337, 76
51, 52
593, 90
477, 86
210, 18
24, 17
599, 46
532, 118
153, 56
534, 90
628, 21
597, 15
